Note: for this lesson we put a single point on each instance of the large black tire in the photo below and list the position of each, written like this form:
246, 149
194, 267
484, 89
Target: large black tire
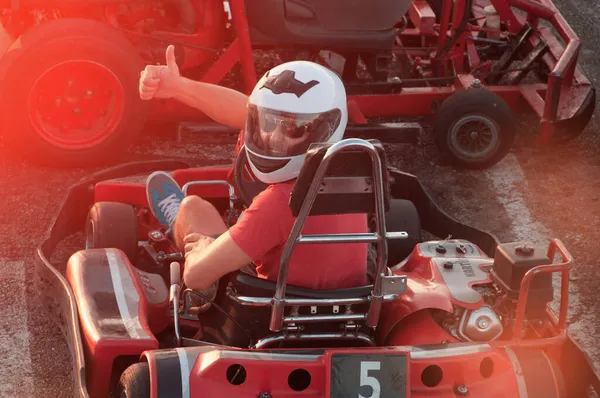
402, 216
94, 119
112, 225
474, 128
134, 382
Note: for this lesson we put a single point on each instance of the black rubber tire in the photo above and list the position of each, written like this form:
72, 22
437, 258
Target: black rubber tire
112, 225
485, 105
402, 216
134, 382
59, 41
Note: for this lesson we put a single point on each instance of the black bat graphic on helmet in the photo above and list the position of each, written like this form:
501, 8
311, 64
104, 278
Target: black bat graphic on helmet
286, 82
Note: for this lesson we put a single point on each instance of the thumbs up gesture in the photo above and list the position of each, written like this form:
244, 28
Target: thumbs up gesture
160, 81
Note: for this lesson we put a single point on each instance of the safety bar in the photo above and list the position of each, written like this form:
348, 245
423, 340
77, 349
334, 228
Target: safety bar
232, 195
380, 236
564, 268
266, 301
271, 340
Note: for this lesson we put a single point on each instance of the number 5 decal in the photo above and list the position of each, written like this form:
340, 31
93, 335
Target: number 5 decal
366, 380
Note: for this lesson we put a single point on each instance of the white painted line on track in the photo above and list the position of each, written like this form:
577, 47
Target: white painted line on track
509, 182
16, 374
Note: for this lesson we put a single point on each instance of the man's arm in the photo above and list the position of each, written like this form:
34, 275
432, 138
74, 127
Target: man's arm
264, 226
209, 261
222, 104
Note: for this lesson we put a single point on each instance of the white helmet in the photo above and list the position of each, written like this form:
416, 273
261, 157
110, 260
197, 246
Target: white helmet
292, 106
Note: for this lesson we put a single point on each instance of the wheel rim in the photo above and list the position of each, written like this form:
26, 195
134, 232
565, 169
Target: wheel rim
76, 104
474, 137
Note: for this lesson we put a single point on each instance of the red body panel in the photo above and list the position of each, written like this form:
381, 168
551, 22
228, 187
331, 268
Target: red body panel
120, 309
427, 289
484, 370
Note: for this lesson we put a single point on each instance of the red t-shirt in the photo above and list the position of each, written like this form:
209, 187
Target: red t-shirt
265, 227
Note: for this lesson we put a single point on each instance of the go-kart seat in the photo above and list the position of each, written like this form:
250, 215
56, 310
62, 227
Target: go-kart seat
346, 188
337, 25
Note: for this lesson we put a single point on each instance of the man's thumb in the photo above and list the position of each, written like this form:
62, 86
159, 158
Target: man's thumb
171, 62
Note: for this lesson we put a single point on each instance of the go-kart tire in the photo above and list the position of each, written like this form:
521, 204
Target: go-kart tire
134, 382
475, 118
58, 115
402, 216
112, 225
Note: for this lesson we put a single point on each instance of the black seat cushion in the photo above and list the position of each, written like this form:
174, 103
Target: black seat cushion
348, 163
252, 286
216, 327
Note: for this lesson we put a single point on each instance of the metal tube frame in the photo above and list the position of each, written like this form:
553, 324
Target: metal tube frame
271, 340
267, 301
379, 236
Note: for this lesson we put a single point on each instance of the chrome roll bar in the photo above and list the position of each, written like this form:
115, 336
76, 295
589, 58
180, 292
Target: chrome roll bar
382, 284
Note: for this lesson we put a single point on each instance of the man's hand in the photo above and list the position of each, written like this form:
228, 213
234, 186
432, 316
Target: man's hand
196, 242
208, 259
160, 81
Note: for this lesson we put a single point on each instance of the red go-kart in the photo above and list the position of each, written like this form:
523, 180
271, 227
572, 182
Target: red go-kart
457, 314
70, 78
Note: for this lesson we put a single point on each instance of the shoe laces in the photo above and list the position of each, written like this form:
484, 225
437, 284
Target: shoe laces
170, 207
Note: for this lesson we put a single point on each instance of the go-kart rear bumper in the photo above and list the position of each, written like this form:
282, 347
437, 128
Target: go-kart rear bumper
57, 295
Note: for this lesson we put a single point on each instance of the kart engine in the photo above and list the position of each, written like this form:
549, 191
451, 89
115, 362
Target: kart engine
485, 292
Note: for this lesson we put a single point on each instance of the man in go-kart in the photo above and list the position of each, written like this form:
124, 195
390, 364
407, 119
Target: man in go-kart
292, 106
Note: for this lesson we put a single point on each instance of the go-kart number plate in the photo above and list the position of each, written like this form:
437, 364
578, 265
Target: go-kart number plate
368, 376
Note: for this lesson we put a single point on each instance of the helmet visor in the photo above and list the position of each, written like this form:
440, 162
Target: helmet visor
282, 134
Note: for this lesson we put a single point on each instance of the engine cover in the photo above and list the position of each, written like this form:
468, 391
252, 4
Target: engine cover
460, 274
455, 266
511, 262
442, 275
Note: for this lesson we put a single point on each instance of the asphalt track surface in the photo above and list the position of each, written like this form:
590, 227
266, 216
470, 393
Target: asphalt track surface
533, 194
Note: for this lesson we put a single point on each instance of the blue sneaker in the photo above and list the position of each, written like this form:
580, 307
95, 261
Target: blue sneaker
164, 197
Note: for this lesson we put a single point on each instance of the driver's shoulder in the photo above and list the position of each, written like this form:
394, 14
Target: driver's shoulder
275, 194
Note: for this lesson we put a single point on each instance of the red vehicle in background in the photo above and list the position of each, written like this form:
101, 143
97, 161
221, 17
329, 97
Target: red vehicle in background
70, 78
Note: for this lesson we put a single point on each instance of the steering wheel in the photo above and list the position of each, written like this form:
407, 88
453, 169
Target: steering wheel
247, 188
